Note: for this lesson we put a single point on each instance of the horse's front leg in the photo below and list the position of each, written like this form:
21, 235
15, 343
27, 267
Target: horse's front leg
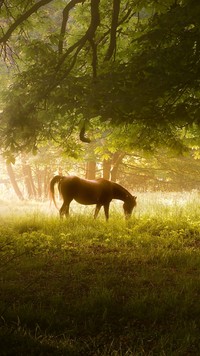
106, 210
64, 210
98, 207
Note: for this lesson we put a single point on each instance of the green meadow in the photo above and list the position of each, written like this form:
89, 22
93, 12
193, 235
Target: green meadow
85, 287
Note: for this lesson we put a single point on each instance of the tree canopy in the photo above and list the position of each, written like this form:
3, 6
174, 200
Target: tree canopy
133, 64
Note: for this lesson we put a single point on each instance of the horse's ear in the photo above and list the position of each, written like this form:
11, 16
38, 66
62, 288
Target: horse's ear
134, 197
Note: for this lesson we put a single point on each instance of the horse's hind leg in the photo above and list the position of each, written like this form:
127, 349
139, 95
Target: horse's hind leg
98, 207
64, 210
106, 210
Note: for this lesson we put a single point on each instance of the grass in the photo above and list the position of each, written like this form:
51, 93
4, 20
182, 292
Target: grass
85, 287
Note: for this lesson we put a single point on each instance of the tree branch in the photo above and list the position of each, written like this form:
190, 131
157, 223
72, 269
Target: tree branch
66, 11
124, 19
90, 33
22, 18
95, 19
82, 136
114, 25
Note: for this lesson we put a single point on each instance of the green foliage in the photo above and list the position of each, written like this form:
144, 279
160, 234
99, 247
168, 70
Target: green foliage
150, 82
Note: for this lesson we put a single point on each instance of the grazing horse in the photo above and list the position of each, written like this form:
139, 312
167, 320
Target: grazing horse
87, 192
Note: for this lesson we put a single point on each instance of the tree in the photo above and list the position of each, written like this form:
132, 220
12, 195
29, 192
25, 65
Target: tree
123, 63
13, 181
162, 171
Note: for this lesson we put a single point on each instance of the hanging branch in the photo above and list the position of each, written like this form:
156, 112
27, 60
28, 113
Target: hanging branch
22, 18
66, 11
114, 25
82, 136
95, 21
88, 36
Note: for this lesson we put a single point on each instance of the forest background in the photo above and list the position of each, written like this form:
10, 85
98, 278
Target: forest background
99, 88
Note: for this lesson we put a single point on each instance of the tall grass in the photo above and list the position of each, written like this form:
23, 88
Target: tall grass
85, 287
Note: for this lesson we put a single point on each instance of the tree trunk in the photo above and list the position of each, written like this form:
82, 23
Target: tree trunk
29, 171
90, 170
39, 182
13, 181
117, 160
106, 168
28, 179
47, 177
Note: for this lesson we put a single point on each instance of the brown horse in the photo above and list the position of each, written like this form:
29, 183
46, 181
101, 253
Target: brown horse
87, 192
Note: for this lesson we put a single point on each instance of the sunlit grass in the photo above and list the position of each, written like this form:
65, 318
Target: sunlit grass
153, 204
89, 287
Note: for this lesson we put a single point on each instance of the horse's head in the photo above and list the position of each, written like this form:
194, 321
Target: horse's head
128, 205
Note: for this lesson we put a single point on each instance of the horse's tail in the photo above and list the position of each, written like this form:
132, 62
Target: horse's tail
55, 180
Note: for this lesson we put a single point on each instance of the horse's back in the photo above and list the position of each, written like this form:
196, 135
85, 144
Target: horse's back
85, 191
